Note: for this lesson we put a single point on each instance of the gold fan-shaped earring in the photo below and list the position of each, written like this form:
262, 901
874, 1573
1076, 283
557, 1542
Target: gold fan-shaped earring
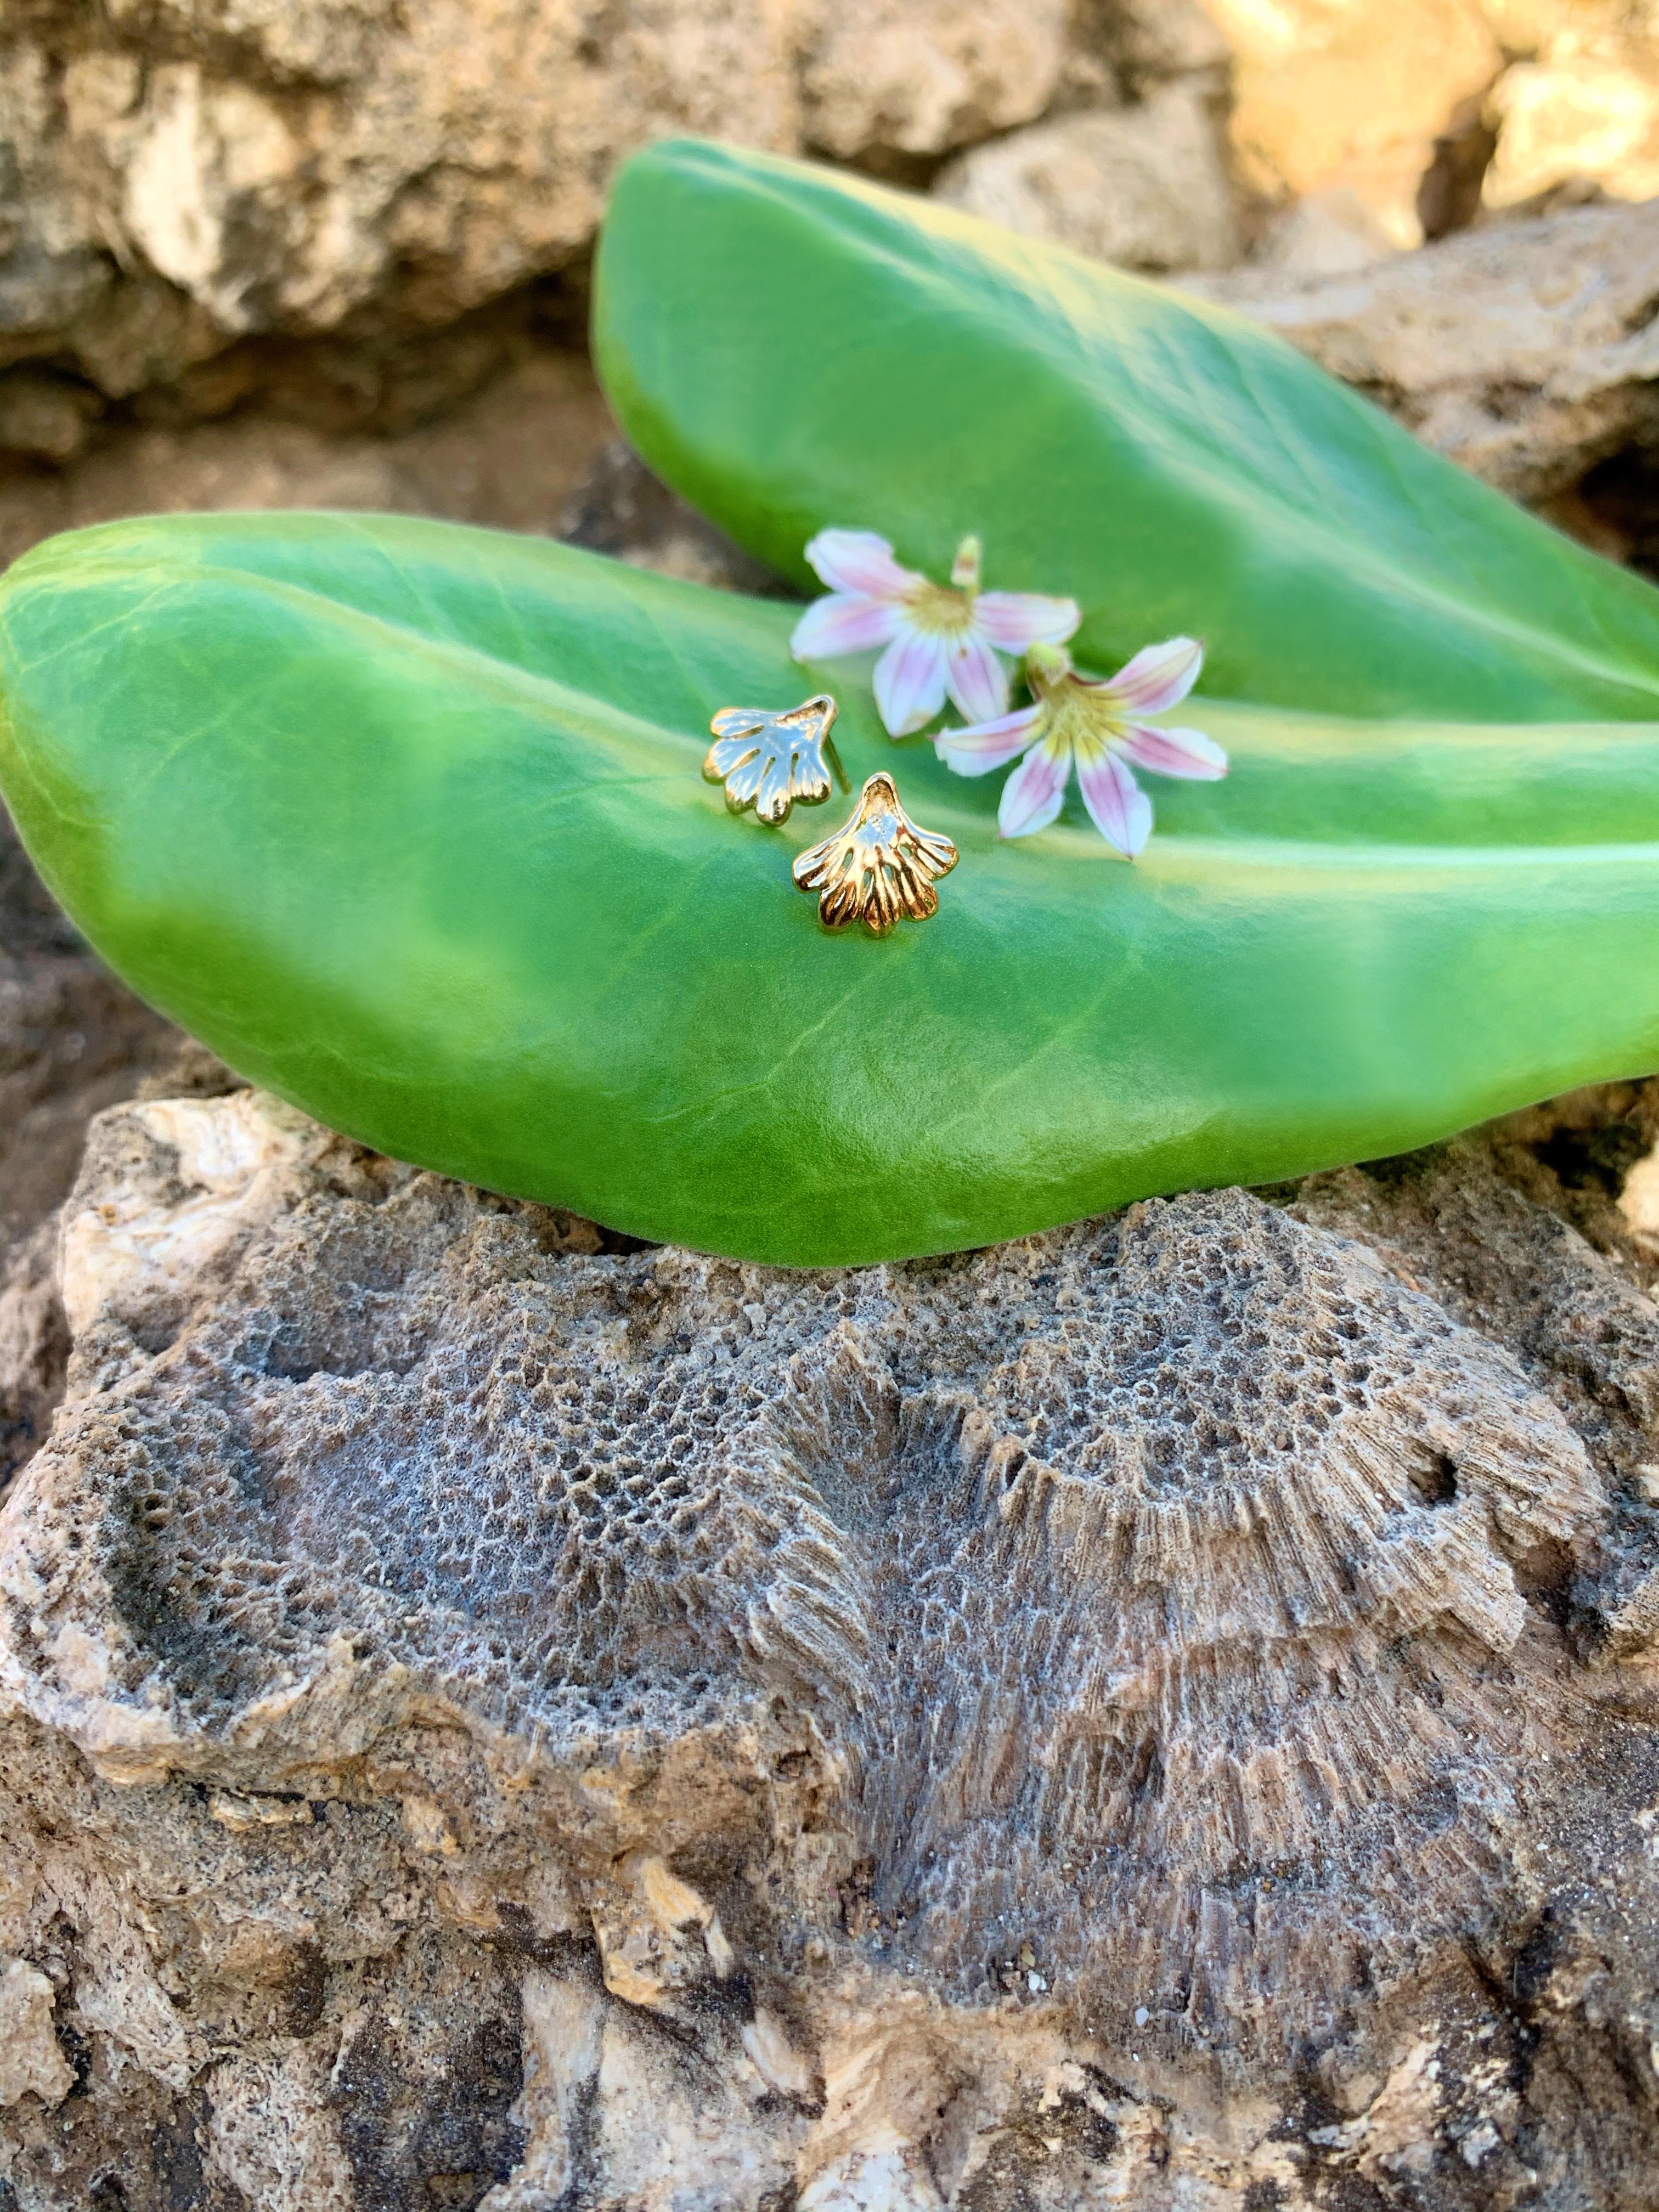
771, 761
879, 866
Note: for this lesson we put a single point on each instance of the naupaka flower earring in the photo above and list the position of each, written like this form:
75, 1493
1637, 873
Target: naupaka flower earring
770, 760
878, 866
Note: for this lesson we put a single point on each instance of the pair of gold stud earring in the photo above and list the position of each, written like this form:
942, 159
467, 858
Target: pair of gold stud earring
879, 866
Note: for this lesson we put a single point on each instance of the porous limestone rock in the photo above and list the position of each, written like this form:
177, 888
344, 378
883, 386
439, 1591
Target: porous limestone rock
1579, 118
884, 78
1147, 42
279, 166
31, 2062
1527, 351
1579, 103
72, 1042
1325, 234
176, 174
199, 203
195, 198
1346, 94
1145, 186
1159, 1714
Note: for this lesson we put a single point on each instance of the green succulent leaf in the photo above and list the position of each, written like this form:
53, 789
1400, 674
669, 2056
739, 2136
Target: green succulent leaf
793, 348
408, 821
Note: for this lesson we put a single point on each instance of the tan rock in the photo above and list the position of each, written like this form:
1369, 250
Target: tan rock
1145, 186
564, 2024
43, 417
1578, 104
1526, 351
883, 2174
656, 1936
512, 455
1638, 1202
1575, 117
922, 76
72, 1042
1348, 93
244, 1810
1329, 233
1150, 40
54, 272
325, 163
165, 186
236, 1160
475, 140
31, 2063
785, 2071
269, 2135
1394, 2135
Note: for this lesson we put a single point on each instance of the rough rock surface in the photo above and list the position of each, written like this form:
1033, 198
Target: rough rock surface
1525, 97
351, 211
72, 1042
513, 454
353, 214
886, 78
1527, 352
1346, 94
190, 192
1579, 101
1147, 186
1329, 233
282, 167
1159, 1714
1163, 1715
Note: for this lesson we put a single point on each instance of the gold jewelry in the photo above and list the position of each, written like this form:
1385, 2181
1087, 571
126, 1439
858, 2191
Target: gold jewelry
769, 761
877, 866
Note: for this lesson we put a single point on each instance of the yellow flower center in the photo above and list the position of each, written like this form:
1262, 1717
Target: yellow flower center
1085, 716
939, 611
947, 610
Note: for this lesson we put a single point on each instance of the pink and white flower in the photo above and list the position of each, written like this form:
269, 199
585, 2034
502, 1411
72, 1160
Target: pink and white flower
937, 637
1094, 725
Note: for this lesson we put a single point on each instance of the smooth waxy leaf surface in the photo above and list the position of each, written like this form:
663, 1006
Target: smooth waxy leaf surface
408, 823
793, 348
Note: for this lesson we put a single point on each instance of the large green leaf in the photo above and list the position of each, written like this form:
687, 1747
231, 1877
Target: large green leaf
791, 348
407, 822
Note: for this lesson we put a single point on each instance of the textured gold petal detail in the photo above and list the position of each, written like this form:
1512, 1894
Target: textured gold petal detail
878, 867
771, 761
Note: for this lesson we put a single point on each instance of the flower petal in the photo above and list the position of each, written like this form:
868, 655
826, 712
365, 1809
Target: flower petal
845, 622
977, 751
1016, 620
976, 679
1174, 752
1159, 676
1119, 808
859, 561
910, 681
1031, 797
